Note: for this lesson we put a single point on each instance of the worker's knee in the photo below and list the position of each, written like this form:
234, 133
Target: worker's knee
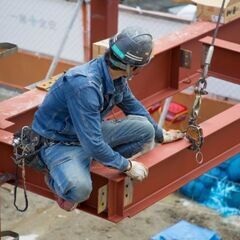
146, 130
79, 190
143, 127
149, 131
148, 137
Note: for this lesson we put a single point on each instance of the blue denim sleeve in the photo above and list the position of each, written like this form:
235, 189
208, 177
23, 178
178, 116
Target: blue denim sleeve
130, 105
84, 109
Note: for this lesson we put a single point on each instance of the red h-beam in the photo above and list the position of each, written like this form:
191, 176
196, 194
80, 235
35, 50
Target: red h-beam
170, 166
104, 20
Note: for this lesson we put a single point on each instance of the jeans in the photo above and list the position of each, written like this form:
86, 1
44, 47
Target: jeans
69, 165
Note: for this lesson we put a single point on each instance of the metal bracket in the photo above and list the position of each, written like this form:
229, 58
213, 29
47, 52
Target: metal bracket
102, 198
185, 58
7, 49
46, 85
128, 191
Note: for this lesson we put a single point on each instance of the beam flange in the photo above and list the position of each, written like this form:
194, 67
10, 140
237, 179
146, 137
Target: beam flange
170, 167
173, 165
104, 20
226, 59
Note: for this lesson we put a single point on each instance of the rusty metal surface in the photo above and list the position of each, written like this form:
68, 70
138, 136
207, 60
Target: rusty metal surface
171, 165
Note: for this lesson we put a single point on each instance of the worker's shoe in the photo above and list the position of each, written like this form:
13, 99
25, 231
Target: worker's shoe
172, 135
62, 203
66, 205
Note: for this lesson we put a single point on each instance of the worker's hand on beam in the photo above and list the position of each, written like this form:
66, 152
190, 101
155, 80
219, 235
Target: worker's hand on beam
136, 170
172, 135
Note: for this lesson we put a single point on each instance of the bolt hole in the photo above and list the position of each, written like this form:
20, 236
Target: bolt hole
102, 203
126, 185
126, 195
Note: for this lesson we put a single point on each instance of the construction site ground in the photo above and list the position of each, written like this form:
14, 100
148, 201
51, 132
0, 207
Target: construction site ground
45, 220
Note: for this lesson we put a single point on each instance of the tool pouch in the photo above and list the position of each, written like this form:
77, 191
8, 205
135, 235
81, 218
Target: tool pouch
26, 147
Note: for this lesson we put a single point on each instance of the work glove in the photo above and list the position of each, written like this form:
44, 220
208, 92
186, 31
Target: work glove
136, 170
172, 135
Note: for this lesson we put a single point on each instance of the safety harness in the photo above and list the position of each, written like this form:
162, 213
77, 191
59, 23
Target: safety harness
26, 146
194, 132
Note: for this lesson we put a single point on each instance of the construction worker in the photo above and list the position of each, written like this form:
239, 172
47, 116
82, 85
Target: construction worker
71, 119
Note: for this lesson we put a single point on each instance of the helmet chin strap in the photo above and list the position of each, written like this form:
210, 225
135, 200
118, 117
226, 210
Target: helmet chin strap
129, 72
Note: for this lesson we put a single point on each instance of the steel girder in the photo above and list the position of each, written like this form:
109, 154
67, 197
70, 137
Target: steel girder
170, 166
104, 20
226, 59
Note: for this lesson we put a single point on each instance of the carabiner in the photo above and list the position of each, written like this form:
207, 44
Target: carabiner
199, 157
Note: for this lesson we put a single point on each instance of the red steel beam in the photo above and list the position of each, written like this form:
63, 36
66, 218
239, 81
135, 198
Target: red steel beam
229, 32
104, 20
170, 165
171, 168
173, 165
226, 59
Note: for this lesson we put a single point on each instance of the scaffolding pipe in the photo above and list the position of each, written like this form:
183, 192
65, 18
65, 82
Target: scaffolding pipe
64, 39
164, 112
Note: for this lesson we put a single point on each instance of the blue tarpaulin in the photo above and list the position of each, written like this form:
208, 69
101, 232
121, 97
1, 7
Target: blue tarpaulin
184, 230
219, 188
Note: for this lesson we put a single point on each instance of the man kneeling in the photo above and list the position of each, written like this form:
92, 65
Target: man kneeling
71, 119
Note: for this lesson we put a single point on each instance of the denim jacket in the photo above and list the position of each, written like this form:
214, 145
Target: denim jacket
76, 105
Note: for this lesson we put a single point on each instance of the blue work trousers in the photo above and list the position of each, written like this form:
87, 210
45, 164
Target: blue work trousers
69, 165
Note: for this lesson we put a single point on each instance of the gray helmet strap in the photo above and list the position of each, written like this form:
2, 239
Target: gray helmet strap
129, 72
